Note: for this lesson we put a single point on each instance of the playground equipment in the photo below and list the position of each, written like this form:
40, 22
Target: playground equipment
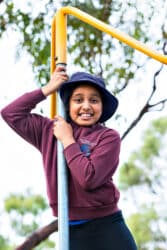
59, 53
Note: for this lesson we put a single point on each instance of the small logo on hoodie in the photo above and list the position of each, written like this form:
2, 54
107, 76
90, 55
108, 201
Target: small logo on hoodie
85, 148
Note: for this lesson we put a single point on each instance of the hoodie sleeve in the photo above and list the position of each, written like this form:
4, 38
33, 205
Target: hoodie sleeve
97, 169
19, 117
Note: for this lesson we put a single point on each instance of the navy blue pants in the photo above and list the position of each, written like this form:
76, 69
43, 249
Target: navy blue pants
107, 233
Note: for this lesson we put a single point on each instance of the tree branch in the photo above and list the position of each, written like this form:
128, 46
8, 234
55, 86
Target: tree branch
38, 236
148, 107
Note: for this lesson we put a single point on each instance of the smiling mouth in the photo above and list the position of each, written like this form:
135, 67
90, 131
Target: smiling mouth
85, 115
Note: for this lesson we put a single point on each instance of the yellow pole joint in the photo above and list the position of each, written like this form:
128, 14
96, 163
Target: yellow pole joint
114, 32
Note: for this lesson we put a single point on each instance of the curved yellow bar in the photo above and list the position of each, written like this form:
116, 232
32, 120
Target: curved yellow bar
113, 32
59, 40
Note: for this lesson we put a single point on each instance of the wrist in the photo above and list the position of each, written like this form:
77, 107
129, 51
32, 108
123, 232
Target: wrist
47, 90
67, 142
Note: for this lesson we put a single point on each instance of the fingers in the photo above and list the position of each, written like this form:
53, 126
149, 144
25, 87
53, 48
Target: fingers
60, 68
58, 118
61, 72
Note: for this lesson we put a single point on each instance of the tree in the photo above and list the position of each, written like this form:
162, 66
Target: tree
142, 177
26, 214
118, 63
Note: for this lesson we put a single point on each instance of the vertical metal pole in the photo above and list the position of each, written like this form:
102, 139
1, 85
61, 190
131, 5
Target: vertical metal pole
63, 225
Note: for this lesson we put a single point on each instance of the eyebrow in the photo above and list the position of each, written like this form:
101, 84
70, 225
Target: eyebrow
80, 94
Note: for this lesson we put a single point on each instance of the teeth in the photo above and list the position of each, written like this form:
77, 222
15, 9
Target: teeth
85, 115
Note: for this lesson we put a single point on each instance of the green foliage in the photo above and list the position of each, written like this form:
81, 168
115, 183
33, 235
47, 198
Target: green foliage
160, 126
141, 223
150, 146
145, 226
34, 35
152, 139
140, 168
24, 204
48, 244
129, 175
143, 170
23, 228
24, 211
4, 243
88, 47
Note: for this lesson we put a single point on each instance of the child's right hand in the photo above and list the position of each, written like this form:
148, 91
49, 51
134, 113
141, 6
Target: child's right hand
62, 130
57, 78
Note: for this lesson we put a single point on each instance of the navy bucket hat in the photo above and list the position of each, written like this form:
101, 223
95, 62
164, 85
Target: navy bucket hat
109, 101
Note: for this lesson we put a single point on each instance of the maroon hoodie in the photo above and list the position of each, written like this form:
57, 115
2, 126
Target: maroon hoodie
92, 160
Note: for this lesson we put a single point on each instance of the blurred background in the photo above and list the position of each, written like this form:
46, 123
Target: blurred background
138, 81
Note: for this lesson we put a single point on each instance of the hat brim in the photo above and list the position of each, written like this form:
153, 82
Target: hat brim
110, 102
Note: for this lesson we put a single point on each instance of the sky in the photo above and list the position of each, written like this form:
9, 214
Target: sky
21, 164
17, 156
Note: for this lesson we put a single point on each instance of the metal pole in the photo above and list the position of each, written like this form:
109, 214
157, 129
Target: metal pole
63, 225
63, 218
58, 57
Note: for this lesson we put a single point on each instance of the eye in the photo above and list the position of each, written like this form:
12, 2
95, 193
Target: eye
94, 100
77, 100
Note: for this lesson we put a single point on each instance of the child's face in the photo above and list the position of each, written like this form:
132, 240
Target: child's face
85, 105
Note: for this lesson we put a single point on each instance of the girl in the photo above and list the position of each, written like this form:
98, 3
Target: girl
91, 152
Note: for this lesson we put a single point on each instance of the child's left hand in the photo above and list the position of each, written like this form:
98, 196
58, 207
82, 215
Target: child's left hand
63, 131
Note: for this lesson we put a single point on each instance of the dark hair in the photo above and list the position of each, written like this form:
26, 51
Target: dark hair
66, 102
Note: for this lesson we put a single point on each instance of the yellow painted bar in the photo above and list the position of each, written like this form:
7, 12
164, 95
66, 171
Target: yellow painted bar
52, 67
113, 32
58, 50
59, 40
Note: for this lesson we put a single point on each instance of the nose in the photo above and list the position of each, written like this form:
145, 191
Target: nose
86, 105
